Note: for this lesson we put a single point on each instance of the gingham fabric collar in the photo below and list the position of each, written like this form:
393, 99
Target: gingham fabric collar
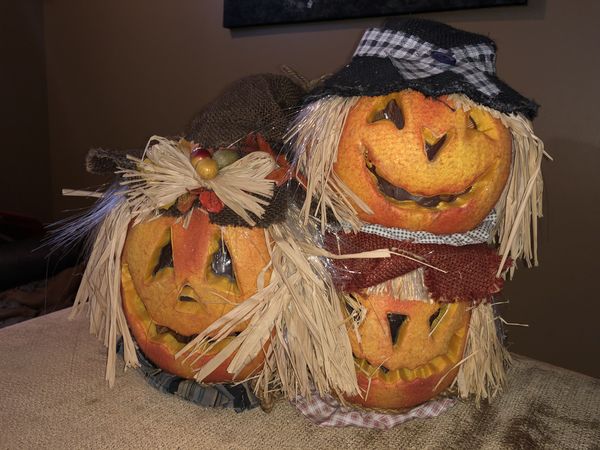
326, 411
482, 234
415, 58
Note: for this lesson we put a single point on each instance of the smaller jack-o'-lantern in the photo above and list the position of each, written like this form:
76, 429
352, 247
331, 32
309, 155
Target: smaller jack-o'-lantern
176, 281
406, 352
420, 163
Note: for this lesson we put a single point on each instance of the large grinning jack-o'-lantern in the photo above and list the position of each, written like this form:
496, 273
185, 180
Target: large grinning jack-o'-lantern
420, 163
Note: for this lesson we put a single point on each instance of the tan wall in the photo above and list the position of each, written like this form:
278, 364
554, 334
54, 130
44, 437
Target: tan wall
119, 72
25, 180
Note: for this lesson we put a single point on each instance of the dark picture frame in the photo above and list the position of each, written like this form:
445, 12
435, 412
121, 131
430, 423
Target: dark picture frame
244, 13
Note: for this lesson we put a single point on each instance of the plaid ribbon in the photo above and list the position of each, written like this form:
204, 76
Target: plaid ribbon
237, 396
415, 58
326, 411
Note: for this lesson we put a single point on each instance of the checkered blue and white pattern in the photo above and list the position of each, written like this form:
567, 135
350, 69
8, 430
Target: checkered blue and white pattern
483, 233
326, 411
415, 58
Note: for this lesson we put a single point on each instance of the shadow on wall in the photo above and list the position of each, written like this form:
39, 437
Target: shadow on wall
554, 299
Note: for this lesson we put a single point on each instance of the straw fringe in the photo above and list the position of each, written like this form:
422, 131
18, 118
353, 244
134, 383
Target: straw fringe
315, 136
100, 289
301, 315
410, 286
166, 173
160, 178
521, 202
482, 372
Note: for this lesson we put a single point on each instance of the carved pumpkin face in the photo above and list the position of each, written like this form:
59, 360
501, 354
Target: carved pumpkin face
406, 348
177, 281
422, 164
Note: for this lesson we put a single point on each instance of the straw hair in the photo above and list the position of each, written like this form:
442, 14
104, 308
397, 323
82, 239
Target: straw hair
298, 315
159, 179
100, 289
166, 172
410, 286
315, 135
520, 205
482, 372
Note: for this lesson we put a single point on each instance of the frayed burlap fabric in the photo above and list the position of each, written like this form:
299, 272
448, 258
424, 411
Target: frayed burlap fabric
259, 103
263, 103
465, 273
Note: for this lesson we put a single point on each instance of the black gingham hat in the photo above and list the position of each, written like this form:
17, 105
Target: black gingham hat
429, 57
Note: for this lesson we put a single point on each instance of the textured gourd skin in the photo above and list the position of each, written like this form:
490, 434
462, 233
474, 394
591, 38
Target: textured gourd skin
155, 299
475, 157
423, 354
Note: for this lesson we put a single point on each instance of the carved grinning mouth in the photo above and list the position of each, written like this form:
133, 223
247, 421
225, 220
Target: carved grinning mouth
437, 365
161, 329
397, 193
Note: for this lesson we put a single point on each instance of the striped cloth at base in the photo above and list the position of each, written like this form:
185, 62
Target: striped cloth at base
237, 396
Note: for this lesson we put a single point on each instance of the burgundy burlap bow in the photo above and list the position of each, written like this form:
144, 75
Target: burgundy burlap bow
461, 273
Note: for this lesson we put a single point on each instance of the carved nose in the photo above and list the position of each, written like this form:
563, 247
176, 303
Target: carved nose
433, 143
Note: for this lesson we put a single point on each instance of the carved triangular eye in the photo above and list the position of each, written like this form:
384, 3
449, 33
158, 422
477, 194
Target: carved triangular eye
221, 262
471, 123
391, 112
395, 321
432, 318
165, 259
437, 316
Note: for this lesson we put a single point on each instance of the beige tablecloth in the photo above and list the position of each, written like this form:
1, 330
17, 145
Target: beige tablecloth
53, 395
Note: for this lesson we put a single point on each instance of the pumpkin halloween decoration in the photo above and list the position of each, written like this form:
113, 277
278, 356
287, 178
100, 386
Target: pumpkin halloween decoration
176, 281
180, 240
408, 351
421, 163
417, 148
200, 269
410, 322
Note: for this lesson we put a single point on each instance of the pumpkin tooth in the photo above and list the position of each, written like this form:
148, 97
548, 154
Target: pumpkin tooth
431, 368
397, 375
425, 371
407, 374
392, 376
438, 363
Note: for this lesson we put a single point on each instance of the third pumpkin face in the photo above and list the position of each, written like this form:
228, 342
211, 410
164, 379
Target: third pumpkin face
407, 352
421, 163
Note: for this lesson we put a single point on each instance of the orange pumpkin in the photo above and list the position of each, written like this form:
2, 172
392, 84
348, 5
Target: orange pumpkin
420, 163
177, 281
407, 350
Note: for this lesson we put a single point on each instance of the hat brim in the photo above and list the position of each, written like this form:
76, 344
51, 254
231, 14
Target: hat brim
368, 76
